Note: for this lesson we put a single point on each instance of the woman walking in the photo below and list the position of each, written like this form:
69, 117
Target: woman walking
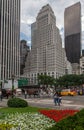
56, 98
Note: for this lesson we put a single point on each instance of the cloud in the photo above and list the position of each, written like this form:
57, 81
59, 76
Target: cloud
26, 29
83, 40
30, 9
25, 37
62, 36
83, 22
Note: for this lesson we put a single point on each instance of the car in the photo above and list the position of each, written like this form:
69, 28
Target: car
68, 92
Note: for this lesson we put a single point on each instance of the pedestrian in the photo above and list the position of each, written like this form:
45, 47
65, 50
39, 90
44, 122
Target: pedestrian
0, 95
59, 99
25, 94
56, 98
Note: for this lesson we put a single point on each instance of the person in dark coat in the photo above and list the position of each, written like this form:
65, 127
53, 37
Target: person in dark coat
59, 99
56, 98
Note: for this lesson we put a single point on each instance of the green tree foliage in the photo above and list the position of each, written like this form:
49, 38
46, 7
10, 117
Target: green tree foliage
70, 80
45, 80
65, 81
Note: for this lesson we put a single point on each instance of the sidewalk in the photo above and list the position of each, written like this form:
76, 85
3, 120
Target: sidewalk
47, 103
3, 103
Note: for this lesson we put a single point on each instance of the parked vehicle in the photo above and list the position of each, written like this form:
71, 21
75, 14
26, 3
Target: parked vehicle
68, 92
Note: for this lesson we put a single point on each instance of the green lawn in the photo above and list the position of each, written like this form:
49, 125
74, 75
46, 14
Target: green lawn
20, 110
6, 110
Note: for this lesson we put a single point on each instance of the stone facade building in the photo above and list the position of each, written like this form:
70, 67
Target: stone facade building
24, 49
82, 65
9, 38
47, 54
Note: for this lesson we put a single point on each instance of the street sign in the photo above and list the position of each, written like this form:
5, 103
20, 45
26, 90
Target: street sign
22, 82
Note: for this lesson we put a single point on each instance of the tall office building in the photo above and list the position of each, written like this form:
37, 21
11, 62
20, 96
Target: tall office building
72, 27
24, 49
9, 38
83, 52
46, 56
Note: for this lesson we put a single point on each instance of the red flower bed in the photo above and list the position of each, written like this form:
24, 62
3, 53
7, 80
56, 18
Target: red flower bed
58, 115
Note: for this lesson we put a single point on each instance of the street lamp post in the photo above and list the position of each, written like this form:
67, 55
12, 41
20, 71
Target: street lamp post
12, 84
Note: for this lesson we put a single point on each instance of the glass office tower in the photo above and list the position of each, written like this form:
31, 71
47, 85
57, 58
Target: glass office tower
72, 27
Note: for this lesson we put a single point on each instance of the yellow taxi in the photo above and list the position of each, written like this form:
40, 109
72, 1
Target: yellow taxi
68, 92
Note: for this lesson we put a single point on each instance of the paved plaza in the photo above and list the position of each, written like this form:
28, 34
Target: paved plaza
48, 103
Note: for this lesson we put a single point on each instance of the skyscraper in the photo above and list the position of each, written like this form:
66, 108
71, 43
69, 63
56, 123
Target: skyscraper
46, 56
9, 38
72, 27
24, 49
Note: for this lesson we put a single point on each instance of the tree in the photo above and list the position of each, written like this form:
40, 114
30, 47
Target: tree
70, 80
45, 80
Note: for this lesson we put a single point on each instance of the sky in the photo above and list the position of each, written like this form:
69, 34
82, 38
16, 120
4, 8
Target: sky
31, 8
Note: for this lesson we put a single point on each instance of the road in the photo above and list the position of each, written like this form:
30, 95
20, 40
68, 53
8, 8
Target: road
76, 99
